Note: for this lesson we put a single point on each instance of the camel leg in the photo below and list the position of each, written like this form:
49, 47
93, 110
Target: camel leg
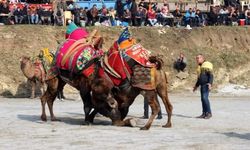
43, 87
92, 116
33, 88
155, 107
163, 93
50, 103
56, 85
86, 98
61, 85
48, 97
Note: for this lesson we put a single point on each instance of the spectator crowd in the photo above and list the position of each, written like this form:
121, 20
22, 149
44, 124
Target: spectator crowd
125, 13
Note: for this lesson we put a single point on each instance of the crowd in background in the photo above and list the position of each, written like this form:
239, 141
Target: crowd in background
128, 13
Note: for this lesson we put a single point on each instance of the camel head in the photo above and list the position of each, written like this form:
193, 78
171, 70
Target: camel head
25, 60
102, 98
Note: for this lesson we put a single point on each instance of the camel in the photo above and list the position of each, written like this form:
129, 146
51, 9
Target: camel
125, 95
34, 72
100, 100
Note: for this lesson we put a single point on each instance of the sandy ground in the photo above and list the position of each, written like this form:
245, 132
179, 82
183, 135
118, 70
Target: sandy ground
21, 128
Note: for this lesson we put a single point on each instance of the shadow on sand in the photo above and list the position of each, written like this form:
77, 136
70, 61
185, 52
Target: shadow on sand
67, 120
245, 136
182, 116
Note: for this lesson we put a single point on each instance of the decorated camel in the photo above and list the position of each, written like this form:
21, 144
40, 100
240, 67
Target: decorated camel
138, 71
79, 62
34, 72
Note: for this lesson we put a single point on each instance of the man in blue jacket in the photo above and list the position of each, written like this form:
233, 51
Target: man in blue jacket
205, 81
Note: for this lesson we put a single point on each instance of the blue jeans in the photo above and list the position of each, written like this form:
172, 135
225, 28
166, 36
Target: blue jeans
204, 99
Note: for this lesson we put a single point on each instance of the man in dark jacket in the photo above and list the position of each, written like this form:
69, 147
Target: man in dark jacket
205, 81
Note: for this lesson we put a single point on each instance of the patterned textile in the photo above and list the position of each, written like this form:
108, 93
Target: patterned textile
143, 78
120, 66
140, 55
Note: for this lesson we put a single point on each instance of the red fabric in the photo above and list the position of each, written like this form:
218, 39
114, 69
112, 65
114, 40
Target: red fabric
151, 15
66, 36
115, 62
89, 71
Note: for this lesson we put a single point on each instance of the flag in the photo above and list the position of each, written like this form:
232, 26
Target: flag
125, 35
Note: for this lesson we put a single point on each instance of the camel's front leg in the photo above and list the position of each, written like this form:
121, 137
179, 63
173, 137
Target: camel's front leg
33, 88
151, 97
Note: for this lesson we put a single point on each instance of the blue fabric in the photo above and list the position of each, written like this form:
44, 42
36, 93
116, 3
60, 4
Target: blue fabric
125, 35
204, 99
187, 15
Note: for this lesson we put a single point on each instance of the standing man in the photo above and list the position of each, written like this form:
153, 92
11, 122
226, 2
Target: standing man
205, 81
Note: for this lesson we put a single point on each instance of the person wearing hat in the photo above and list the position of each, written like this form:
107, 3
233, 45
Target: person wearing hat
205, 81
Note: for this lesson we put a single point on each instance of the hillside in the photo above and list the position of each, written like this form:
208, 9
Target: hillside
227, 48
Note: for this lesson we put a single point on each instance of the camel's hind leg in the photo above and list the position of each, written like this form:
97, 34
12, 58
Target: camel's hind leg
49, 96
155, 107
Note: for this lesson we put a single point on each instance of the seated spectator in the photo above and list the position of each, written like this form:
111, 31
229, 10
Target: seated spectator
62, 5
152, 5
199, 19
76, 15
247, 16
166, 18
193, 18
25, 14
223, 14
18, 15
104, 14
180, 63
233, 17
34, 18
59, 17
140, 16
83, 17
152, 17
46, 16
143, 4
163, 15
92, 15
187, 17
4, 13
119, 9
112, 16
126, 18
212, 17
177, 15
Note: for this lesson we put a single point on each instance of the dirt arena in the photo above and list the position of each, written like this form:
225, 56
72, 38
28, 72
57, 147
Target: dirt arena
21, 127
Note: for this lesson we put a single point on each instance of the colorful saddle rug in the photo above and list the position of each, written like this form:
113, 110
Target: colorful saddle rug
119, 65
143, 77
140, 55
136, 52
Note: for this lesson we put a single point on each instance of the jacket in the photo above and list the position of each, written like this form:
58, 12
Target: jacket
205, 74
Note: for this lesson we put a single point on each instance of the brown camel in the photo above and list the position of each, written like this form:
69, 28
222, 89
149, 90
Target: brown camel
101, 100
34, 72
125, 95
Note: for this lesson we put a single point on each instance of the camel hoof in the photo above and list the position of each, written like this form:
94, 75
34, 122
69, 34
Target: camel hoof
55, 119
132, 122
144, 128
168, 125
87, 123
43, 118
